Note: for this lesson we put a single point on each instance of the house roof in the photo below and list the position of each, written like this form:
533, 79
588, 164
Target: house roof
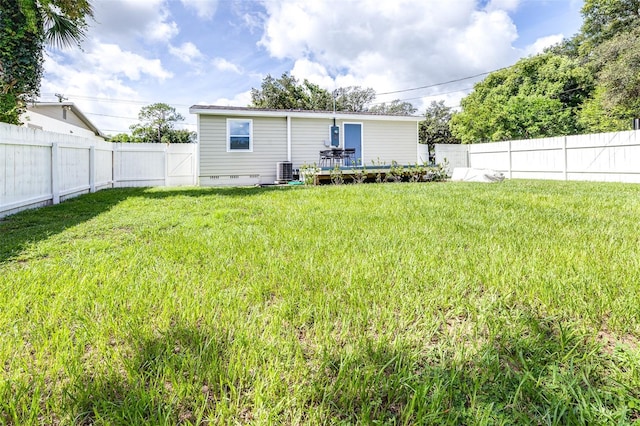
264, 112
73, 108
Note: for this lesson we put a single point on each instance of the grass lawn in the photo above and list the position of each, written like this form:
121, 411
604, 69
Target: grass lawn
441, 303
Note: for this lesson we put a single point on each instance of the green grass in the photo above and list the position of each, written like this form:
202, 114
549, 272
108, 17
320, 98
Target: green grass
450, 303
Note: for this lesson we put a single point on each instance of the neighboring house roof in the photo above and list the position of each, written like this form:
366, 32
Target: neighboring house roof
263, 112
50, 110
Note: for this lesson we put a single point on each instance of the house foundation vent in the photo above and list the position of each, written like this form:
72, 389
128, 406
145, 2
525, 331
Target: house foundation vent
284, 172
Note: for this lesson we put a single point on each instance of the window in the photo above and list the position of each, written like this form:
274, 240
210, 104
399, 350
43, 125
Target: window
239, 135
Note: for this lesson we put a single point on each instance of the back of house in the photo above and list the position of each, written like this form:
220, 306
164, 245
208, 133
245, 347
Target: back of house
243, 146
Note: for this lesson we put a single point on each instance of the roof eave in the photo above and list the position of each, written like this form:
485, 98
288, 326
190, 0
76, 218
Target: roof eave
76, 111
87, 122
254, 112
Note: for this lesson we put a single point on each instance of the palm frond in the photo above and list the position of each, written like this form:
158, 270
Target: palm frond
61, 31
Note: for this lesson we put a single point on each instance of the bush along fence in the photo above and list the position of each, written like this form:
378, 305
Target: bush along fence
378, 172
38, 168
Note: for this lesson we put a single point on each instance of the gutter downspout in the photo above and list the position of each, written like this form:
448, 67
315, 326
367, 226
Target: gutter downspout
288, 138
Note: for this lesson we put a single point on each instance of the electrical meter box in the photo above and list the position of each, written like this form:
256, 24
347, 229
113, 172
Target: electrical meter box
335, 136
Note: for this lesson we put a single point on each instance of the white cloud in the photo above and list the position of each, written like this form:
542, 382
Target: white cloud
162, 31
241, 99
186, 52
205, 9
542, 43
223, 65
314, 72
91, 92
506, 5
128, 22
110, 59
100, 73
390, 45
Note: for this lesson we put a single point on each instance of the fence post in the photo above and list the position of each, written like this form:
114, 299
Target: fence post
114, 165
510, 166
565, 174
166, 165
55, 176
92, 168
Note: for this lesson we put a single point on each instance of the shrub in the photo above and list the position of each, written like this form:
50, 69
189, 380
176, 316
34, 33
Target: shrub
308, 173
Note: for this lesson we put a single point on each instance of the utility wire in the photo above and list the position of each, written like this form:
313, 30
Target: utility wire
422, 97
442, 83
130, 101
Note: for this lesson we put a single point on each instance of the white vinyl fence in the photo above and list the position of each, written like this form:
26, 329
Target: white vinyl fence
454, 154
613, 157
39, 168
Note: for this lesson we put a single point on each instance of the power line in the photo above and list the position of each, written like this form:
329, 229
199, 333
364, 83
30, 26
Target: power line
115, 100
110, 116
131, 101
441, 84
426, 96
129, 118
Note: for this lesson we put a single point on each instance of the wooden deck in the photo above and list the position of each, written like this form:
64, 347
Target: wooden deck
373, 174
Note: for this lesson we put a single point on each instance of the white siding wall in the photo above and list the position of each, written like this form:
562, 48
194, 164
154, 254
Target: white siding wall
308, 138
390, 141
219, 167
44, 118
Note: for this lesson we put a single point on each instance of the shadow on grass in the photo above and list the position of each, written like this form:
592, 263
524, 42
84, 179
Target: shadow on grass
172, 378
534, 373
540, 374
19, 230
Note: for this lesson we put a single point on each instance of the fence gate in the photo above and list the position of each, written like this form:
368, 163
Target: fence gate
181, 164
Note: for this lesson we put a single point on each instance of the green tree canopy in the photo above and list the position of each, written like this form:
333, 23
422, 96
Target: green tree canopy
123, 137
353, 98
157, 123
435, 127
394, 107
537, 97
25, 27
617, 62
604, 19
287, 92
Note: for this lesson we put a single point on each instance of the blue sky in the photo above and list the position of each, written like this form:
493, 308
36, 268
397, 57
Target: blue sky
185, 52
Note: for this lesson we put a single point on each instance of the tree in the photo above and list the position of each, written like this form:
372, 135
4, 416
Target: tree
596, 117
604, 19
394, 107
617, 62
25, 27
157, 125
20, 62
537, 97
179, 136
435, 127
124, 138
353, 98
287, 93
